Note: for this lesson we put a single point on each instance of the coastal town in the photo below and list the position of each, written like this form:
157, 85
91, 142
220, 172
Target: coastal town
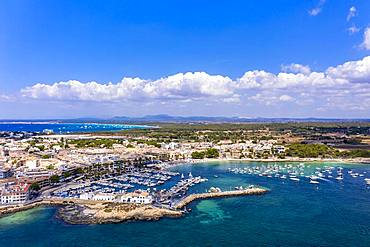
135, 168
104, 172
184, 123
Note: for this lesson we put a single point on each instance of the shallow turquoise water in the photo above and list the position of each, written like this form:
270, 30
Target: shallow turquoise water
61, 128
292, 214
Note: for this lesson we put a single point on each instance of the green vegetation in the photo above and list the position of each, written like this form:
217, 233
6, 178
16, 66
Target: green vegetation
239, 132
209, 153
198, 155
54, 179
108, 143
50, 167
45, 156
296, 137
148, 142
212, 153
66, 174
41, 147
356, 154
95, 143
311, 151
323, 151
35, 187
79, 170
32, 143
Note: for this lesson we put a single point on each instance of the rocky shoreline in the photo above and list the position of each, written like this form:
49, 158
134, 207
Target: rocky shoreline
76, 211
4, 211
113, 213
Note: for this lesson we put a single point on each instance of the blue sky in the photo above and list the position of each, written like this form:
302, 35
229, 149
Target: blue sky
57, 58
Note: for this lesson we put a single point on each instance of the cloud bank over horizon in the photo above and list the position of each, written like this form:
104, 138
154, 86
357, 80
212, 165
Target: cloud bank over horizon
343, 87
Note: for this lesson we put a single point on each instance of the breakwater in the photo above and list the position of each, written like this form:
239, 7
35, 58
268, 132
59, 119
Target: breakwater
232, 193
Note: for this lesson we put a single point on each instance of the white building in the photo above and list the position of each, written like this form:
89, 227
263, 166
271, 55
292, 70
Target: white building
279, 149
171, 145
136, 197
12, 193
86, 196
103, 197
31, 164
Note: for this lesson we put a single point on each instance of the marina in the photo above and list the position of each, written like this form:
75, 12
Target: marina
137, 180
291, 207
185, 123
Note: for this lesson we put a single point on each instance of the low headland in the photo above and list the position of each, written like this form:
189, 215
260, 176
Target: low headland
78, 211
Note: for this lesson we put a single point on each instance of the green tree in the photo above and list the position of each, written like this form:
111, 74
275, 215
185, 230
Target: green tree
35, 186
356, 153
310, 150
67, 174
79, 171
212, 153
54, 179
50, 167
198, 155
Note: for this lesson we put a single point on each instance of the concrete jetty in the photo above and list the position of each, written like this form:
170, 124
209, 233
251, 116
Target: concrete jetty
232, 193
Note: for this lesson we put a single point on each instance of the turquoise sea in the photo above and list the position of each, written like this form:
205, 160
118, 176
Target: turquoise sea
332, 213
62, 128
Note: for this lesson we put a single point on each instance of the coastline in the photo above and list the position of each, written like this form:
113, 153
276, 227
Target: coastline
78, 211
99, 212
173, 164
291, 159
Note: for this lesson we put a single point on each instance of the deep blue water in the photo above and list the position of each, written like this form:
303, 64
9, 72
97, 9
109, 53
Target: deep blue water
66, 127
292, 214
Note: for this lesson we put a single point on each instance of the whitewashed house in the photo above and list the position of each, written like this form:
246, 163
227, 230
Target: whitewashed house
136, 197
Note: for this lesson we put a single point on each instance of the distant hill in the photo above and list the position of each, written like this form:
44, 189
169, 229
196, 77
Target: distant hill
162, 118
219, 119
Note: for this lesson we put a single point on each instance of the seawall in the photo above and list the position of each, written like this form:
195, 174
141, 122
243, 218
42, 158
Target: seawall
232, 193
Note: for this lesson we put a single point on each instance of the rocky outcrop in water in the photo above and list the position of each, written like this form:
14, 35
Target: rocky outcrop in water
112, 213
77, 211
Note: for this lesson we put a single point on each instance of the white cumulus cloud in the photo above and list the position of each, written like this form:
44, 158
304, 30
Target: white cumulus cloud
296, 84
352, 71
296, 68
286, 98
178, 86
366, 42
